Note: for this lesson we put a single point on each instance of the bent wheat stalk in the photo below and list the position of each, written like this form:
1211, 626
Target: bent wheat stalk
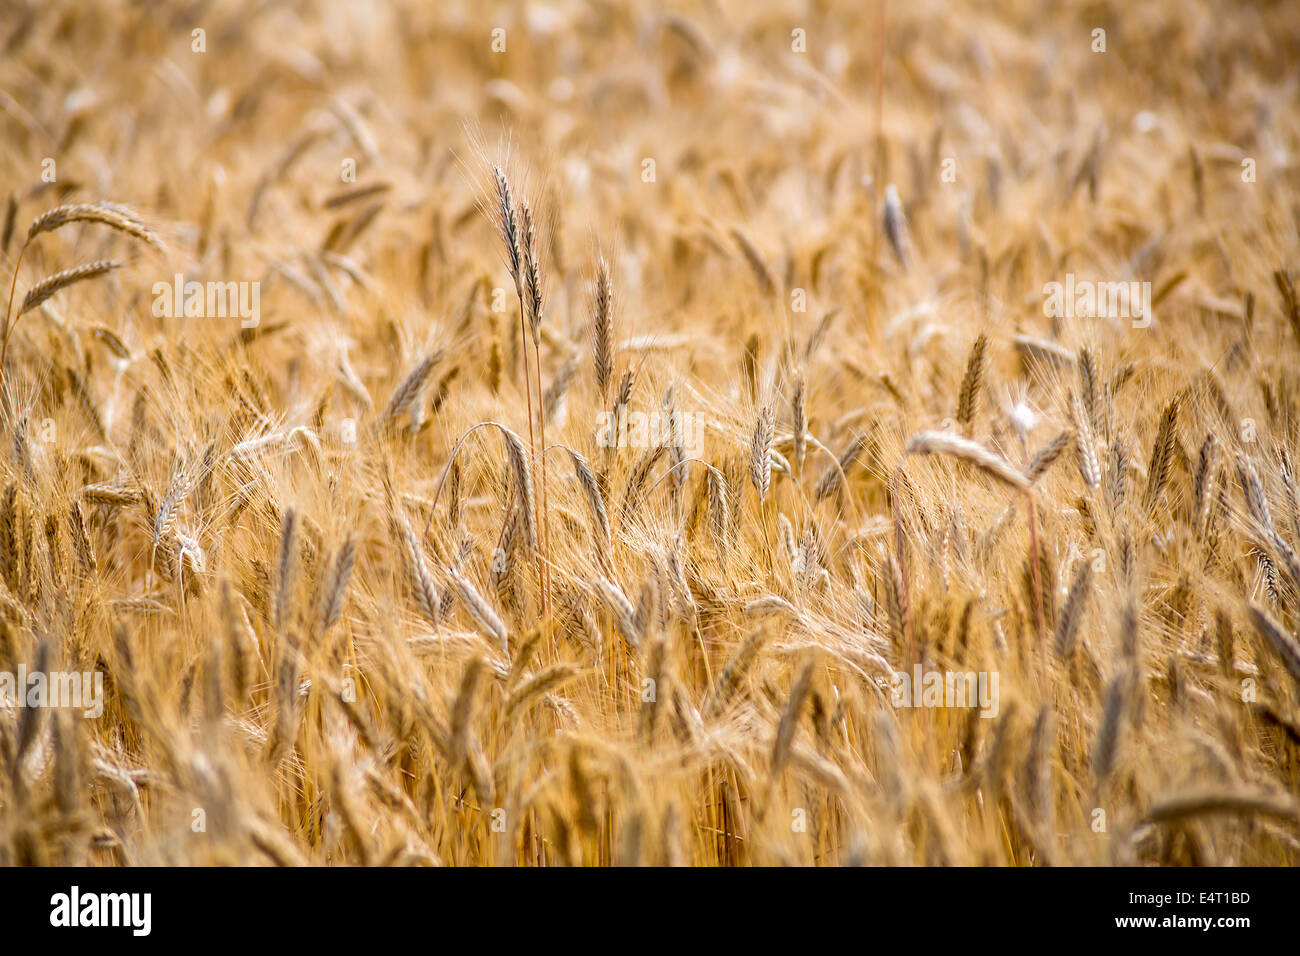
994, 465
971, 452
108, 214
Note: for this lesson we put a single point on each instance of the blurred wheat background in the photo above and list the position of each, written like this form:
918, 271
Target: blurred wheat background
341, 620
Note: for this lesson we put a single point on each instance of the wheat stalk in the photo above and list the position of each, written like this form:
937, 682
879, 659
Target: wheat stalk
973, 453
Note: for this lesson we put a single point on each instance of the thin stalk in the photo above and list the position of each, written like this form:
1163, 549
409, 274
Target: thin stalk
532, 443
877, 171
546, 524
4, 346
1038, 588
1033, 561
905, 610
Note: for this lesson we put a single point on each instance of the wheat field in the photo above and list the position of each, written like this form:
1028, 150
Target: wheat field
562, 433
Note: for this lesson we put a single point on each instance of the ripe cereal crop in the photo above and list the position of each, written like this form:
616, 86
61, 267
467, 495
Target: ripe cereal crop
555, 433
